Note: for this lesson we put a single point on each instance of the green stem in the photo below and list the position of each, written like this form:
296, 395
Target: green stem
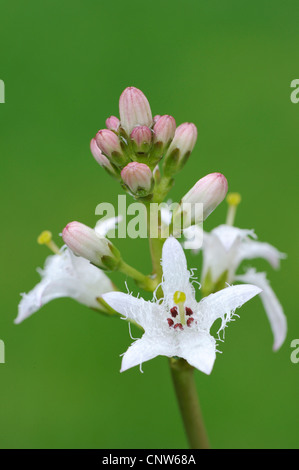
184, 384
163, 188
145, 282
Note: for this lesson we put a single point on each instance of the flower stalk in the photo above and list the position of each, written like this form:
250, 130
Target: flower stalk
183, 380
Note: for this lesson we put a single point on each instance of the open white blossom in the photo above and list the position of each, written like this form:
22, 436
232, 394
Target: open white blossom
68, 275
178, 325
224, 248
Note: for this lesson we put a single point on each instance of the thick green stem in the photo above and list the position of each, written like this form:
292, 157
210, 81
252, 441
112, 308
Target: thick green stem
184, 384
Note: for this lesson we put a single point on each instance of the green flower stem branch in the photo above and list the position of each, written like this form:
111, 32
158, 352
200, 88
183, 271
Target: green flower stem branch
185, 388
145, 282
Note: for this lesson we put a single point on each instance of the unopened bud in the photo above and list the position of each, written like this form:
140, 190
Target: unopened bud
100, 158
113, 123
180, 148
138, 178
109, 143
84, 241
164, 130
208, 192
141, 137
134, 109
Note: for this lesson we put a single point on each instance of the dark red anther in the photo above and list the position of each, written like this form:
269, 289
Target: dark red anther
188, 311
170, 321
178, 325
189, 321
174, 312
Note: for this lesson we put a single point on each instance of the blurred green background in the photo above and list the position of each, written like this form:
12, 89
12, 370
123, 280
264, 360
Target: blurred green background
227, 67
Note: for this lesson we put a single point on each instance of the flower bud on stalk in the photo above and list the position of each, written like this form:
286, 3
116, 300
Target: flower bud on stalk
180, 148
113, 123
101, 159
109, 144
134, 110
138, 178
84, 241
208, 191
141, 137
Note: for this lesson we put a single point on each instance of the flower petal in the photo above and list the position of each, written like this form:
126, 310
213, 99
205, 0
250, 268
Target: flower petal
271, 304
199, 350
65, 275
145, 349
228, 235
103, 226
223, 304
132, 308
253, 249
176, 276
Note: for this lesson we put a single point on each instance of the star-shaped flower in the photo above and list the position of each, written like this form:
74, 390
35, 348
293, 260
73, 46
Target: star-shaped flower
178, 325
68, 275
224, 248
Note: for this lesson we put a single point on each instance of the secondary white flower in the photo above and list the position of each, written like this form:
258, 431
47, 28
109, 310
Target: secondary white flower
224, 248
178, 325
67, 275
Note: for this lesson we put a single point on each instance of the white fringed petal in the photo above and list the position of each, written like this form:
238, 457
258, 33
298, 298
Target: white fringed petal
103, 226
223, 304
132, 308
144, 349
271, 304
199, 350
65, 275
253, 249
228, 235
176, 276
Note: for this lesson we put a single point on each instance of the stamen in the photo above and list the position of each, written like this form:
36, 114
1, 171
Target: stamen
189, 321
178, 325
45, 238
179, 298
188, 311
233, 200
174, 312
170, 321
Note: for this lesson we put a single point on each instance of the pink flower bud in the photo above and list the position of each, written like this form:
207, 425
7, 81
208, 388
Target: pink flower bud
155, 118
164, 129
180, 148
99, 156
138, 177
84, 241
210, 191
184, 139
113, 123
142, 138
108, 142
134, 109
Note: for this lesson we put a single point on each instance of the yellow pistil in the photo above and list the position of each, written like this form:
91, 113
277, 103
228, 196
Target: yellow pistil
179, 299
233, 200
45, 238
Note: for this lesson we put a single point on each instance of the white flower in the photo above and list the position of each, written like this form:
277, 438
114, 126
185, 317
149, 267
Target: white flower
178, 325
67, 275
224, 248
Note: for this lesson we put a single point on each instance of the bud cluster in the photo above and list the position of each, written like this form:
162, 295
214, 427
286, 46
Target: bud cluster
130, 147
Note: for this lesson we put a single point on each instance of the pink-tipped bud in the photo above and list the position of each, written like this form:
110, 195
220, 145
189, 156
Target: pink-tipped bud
113, 123
208, 191
164, 129
155, 118
141, 137
108, 142
134, 109
138, 178
84, 241
180, 148
100, 157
